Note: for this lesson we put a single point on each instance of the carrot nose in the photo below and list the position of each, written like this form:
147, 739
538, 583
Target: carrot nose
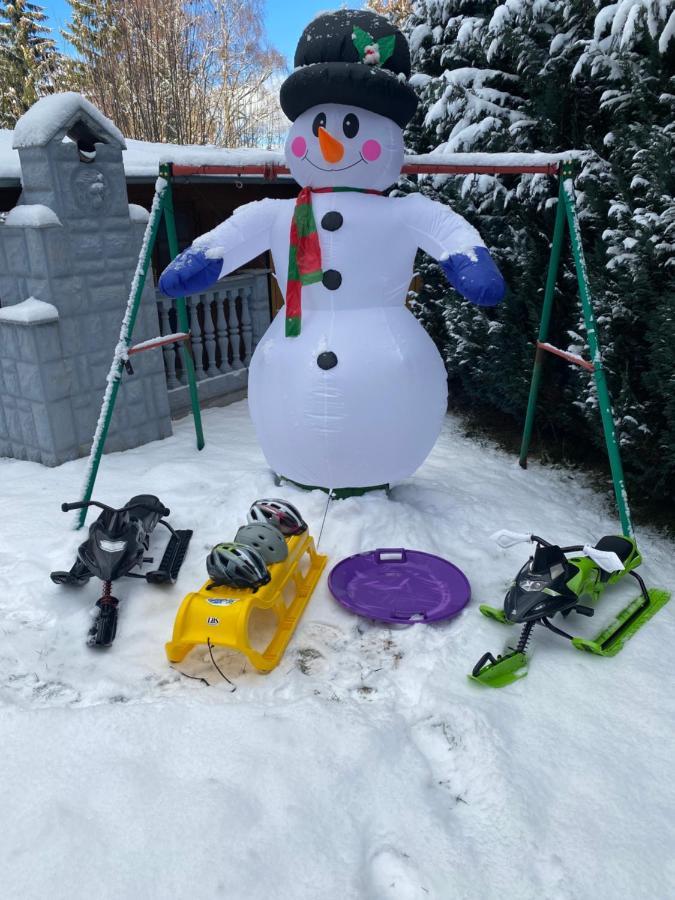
331, 149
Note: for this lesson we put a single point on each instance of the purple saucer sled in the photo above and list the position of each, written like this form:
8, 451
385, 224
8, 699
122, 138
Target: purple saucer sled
397, 585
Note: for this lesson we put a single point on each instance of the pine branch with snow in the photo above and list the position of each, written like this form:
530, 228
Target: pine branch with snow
533, 75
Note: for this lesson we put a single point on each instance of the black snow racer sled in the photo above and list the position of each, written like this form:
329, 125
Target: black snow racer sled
117, 543
552, 582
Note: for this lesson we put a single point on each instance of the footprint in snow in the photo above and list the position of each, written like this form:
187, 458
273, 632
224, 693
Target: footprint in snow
306, 660
323, 633
394, 874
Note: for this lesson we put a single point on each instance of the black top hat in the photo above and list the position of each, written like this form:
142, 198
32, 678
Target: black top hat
352, 57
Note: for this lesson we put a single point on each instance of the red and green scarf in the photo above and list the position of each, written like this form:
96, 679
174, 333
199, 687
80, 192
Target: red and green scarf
304, 256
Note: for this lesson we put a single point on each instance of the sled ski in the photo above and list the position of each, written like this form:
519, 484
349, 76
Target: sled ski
78, 575
624, 626
221, 616
501, 670
104, 628
493, 613
172, 559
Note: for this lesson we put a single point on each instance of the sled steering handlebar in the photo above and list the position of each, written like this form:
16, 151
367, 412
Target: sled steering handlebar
66, 507
81, 504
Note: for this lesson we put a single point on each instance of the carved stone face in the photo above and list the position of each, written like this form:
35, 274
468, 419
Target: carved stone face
90, 190
344, 146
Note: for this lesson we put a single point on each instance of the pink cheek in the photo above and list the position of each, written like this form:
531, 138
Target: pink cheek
299, 146
371, 150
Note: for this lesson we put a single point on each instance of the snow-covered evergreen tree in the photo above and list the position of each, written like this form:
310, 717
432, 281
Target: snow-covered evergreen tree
29, 60
631, 188
525, 75
89, 31
474, 99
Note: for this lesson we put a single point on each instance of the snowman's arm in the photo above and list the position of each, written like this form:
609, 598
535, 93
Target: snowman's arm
242, 237
457, 246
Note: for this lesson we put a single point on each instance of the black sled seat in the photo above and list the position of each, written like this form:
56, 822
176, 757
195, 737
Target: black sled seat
614, 543
147, 508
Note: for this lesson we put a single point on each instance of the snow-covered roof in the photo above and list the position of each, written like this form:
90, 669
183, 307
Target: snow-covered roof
55, 115
142, 158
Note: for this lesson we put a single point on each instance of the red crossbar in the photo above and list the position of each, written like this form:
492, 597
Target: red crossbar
272, 171
452, 169
158, 342
570, 357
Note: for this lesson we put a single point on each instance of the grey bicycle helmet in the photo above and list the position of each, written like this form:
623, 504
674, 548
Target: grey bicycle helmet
267, 540
237, 565
280, 513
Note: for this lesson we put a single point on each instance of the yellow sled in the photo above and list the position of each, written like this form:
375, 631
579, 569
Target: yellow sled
229, 617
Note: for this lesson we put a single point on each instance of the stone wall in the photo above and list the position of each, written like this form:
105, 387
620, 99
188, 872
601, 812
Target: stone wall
73, 242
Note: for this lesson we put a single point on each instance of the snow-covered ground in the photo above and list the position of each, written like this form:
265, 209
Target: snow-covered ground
366, 765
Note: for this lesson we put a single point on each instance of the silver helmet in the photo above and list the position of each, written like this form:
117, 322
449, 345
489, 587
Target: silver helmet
237, 565
280, 513
267, 540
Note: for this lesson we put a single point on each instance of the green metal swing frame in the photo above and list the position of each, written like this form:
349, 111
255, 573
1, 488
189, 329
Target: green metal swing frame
163, 208
567, 215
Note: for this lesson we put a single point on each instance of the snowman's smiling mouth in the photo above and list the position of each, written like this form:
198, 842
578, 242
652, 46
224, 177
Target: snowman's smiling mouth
333, 168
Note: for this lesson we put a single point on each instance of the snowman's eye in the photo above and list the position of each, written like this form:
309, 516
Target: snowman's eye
350, 125
319, 122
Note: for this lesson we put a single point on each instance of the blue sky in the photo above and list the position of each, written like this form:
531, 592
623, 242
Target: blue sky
284, 20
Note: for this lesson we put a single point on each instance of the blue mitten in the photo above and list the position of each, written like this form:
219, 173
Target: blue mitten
478, 280
190, 272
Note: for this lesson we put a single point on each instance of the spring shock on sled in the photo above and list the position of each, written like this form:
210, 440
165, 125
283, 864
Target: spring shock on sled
524, 638
102, 632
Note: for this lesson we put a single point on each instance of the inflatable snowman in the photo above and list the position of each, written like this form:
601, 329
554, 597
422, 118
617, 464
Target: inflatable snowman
346, 389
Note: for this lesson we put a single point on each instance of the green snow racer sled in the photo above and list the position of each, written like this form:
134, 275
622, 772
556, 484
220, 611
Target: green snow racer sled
551, 583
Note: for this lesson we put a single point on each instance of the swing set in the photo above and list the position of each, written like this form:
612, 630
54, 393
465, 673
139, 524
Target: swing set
163, 208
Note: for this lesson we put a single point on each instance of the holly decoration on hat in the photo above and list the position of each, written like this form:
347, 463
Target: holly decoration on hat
373, 52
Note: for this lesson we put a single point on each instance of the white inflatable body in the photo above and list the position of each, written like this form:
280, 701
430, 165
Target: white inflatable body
374, 416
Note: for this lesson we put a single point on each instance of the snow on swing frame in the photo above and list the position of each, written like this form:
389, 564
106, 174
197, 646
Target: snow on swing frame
503, 164
208, 163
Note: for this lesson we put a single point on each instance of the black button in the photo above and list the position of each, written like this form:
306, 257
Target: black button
332, 279
327, 360
332, 221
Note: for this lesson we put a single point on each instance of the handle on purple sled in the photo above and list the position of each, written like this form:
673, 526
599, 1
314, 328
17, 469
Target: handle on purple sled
390, 555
